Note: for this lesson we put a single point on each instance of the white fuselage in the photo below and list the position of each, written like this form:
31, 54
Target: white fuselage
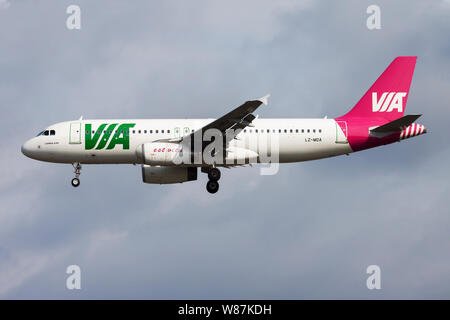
295, 139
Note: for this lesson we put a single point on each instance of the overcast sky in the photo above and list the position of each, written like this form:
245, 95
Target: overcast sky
308, 232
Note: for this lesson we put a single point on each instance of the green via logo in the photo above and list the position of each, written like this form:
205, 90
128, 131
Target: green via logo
121, 135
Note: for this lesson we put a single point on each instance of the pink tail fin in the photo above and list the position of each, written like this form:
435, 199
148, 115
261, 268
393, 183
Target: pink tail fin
386, 99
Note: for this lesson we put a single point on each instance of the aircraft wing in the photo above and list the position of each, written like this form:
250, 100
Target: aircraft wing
236, 120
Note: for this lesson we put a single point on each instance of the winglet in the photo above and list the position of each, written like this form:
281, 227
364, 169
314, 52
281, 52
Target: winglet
264, 99
81, 118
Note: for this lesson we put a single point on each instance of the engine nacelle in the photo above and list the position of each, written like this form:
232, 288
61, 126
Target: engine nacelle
159, 153
165, 175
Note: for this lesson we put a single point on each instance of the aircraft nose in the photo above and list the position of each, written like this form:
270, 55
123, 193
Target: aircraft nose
26, 148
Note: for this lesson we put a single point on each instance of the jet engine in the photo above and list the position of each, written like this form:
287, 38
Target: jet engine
165, 175
160, 153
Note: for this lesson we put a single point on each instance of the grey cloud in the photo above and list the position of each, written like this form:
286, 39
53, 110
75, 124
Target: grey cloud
308, 232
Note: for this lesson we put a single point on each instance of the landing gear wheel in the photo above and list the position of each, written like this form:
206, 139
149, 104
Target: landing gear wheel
214, 174
75, 182
77, 167
212, 186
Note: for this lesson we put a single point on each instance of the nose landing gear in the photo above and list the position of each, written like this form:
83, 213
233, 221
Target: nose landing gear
213, 175
76, 181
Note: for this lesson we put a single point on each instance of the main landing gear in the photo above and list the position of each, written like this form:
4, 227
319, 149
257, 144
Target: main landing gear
213, 175
77, 167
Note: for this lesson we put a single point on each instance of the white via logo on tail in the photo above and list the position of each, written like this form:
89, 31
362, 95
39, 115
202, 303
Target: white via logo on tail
388, 101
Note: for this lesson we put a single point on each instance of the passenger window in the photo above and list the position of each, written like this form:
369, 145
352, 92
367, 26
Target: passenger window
145, 131
139, 131
307, 130
156, 131
245, 130
279, 130
296, 130
320, 130
151, 131
134, 131
162, 131
168, 131
256, 130
314, 130
303, 130
290, 131
285, 130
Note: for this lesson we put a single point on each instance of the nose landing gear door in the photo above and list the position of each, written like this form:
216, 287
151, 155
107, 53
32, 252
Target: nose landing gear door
75, 133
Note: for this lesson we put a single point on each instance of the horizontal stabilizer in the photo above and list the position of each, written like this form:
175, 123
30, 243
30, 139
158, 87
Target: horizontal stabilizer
397, 125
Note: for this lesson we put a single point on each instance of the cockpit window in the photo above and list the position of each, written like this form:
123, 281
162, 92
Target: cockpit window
43, 133
46, 133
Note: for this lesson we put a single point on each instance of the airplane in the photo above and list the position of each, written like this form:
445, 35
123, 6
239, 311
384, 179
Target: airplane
172, 150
